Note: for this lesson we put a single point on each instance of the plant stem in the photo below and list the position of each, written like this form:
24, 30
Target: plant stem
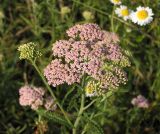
82, 107
112, 20
86, 107
39, 121
85, 127
50, 91
79, 114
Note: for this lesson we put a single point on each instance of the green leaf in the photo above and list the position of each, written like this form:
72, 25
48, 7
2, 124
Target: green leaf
57, 118
94, 128
67, 94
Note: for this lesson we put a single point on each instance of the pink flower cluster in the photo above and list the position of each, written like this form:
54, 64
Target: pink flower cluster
140, 101
34, 97
88, 32
58, 73
88, 51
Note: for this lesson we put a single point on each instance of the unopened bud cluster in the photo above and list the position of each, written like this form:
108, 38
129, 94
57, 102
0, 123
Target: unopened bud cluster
29, 51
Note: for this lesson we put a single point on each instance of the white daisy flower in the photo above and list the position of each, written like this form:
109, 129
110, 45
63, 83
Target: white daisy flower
142, 16
116, 2
123, 12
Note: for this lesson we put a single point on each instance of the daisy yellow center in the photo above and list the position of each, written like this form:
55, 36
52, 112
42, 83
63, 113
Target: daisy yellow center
143, 14
124, 12
116, 1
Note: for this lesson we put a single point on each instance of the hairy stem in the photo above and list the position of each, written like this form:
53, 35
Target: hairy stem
39, 121
79, 114
50, 91
112, 20
86, 107
85, 127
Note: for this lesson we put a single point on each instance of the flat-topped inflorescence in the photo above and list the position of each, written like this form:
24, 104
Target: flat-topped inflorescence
31, 96
35, 98
88, 32
91, 51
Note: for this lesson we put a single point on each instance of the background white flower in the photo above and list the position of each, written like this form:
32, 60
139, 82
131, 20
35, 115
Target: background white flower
142, 16
123, 12
116, 2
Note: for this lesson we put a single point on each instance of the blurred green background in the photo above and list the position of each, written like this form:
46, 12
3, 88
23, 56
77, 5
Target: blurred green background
44, 22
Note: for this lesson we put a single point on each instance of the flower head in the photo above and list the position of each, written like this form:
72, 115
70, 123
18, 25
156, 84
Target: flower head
116, 2
140, 101
29, 51
142, 16
31, 96
123, 12
90, 51
58, 73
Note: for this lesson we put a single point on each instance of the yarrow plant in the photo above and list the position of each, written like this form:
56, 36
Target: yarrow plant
90, 60
90, 51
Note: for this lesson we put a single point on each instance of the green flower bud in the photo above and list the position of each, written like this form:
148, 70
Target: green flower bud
65, 10
1, 57
125, 62
29, 51
1, 15
128, 30
88, 15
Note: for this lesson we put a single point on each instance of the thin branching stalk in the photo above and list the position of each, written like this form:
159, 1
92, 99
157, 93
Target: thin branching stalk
50, 91
39, 121
112, 20
81, 110
79, 114
86, 107
85, 127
